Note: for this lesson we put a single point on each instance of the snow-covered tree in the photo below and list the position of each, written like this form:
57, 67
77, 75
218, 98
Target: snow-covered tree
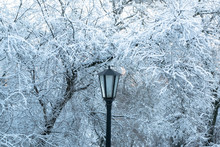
51, 52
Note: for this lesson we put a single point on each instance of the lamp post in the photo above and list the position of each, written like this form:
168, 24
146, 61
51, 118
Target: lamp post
108, 82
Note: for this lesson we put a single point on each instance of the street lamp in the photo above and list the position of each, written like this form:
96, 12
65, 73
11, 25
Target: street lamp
108, 82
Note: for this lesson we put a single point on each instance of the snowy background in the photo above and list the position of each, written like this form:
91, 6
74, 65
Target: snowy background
168, 52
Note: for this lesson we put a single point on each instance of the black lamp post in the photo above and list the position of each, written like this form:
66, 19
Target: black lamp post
109, 82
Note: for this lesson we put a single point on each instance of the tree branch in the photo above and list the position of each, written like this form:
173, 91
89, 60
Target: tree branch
18, 11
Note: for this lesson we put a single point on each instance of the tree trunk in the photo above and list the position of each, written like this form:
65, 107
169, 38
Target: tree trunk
214, 117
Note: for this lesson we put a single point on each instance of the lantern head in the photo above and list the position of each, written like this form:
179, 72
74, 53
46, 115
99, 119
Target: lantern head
109, 82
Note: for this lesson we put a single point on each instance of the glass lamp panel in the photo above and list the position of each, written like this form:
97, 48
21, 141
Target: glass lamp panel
102, 84
109, 85
116, 85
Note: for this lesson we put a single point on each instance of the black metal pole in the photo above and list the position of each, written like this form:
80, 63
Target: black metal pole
108, 123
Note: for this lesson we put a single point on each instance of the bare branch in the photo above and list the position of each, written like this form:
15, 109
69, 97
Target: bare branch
50, 28
18, 11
